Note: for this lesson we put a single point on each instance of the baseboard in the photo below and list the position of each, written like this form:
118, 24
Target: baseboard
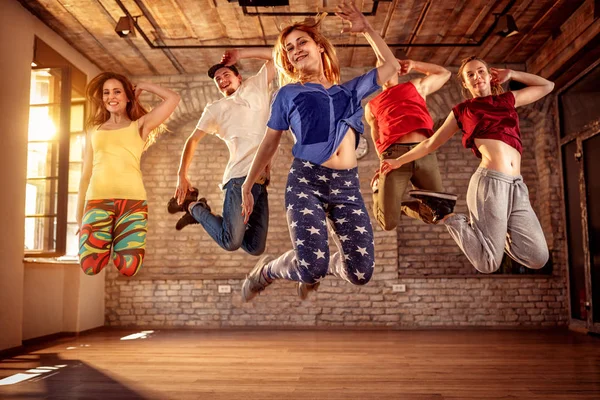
13, 351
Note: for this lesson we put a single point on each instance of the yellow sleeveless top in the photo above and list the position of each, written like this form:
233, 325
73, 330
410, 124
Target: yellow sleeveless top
116, 172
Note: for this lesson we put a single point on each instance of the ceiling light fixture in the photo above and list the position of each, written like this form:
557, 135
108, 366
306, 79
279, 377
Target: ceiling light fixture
126, 26
507, 26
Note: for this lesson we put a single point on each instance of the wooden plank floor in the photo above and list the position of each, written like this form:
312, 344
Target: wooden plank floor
331, 365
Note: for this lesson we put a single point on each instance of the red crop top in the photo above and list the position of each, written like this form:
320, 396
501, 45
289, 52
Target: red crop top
489, 117
400, 110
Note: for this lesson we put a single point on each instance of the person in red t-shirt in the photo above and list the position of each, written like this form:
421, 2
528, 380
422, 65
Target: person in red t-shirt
399, 120
500, 215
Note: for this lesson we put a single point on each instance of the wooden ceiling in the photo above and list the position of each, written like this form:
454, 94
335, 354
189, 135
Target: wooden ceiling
448, 25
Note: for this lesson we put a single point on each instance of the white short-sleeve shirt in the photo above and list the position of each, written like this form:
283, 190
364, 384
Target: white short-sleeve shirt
240, 120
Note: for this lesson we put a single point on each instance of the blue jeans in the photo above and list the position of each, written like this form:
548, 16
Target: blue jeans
229, 230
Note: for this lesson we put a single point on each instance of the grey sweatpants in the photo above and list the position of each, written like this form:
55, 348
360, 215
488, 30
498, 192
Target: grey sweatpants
501, 220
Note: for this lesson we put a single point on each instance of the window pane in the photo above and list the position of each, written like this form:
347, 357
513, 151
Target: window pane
580, 104
43, 123
41, 160
77, 147
77, 118
72, 240
72, 208
40, 197
40, 234
74, 176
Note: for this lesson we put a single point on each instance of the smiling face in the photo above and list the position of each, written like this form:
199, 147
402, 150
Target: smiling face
476, 78
227, 81
303, 52
114, 97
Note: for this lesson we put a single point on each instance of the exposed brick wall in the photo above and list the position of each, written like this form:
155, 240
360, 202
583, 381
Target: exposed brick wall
178, 283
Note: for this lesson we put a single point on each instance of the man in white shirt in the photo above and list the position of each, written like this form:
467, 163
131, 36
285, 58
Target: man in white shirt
240, 120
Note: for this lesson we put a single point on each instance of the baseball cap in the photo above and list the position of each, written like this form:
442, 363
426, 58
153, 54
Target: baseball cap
216, 67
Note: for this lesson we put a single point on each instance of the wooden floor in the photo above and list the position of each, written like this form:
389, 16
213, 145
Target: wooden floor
419, 365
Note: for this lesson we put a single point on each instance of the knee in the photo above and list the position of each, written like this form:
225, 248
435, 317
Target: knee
256, 251
93, 265
131, 271
360, 276
232, 242
129, 263
538, 258
489, 265
315, 273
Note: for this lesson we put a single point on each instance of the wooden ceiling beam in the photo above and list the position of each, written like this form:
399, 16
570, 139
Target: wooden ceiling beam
576, 32
418, 26
458, 8
159, 34
493, 40
471, 31
128, 40
553, 7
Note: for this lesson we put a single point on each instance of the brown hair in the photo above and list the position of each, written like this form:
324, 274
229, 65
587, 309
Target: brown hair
97, 114
496, 87
287, 72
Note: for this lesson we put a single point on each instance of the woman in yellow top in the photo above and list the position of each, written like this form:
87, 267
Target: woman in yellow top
112, 212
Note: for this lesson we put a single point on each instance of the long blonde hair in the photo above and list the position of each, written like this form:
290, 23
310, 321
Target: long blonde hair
97, 114
286, 71
495, 86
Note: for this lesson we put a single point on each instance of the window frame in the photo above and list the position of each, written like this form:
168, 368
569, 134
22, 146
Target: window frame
62, 166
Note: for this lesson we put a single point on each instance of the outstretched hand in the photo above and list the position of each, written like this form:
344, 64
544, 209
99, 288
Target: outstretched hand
500, 75
358, 22
230, 57
247, 201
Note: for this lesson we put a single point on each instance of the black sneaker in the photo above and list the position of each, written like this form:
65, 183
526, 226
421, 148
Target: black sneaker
437, 204
255, 281
417, 210
188, 219
173, 207
305, 288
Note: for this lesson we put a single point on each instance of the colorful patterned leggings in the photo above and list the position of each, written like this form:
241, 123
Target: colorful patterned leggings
116, 226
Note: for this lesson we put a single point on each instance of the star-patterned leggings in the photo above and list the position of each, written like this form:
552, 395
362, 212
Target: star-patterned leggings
317, 197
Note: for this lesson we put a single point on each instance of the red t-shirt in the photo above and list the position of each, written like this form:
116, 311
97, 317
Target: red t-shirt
489, 117
399, 110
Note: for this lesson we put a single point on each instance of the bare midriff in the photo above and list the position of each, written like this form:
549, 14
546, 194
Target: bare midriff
499, 156
344, 156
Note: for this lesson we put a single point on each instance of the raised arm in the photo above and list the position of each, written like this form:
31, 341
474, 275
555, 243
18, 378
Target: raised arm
436, 77
232, 56
160, 113
84, 181
359, 24
262, 159
441, 136
183, 180
537, 87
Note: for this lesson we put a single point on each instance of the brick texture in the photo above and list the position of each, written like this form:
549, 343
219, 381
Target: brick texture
178, 285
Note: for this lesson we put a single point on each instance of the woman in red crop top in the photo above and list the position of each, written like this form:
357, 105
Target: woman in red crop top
500, 214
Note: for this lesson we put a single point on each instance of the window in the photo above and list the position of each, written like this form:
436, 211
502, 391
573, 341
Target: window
54, 159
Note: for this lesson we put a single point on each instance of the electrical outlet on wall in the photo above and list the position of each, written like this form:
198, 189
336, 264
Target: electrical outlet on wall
399, 288
224, 288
